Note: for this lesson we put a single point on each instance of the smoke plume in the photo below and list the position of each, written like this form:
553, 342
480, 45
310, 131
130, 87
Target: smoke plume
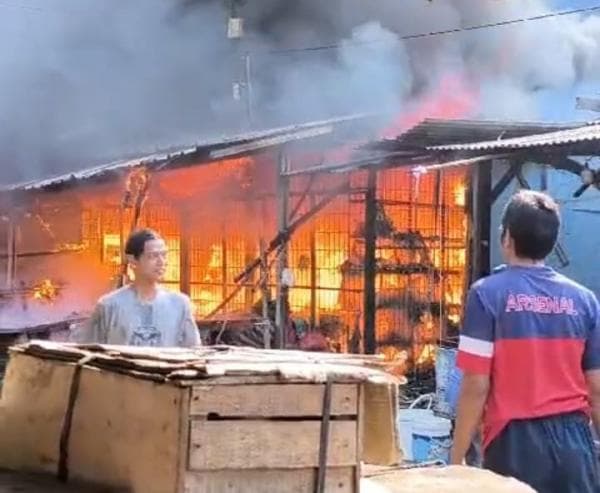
82, 81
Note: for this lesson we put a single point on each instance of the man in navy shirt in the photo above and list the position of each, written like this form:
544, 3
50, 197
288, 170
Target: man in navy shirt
530, 353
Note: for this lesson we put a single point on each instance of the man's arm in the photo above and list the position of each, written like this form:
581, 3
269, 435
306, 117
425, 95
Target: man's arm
475, 354
473, 395
593, 383
94, 331
591, 364
190, 336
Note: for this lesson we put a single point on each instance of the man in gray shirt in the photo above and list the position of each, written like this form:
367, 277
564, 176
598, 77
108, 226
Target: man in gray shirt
144, 313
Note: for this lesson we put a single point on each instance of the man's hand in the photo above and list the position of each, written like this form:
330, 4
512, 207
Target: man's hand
473, 395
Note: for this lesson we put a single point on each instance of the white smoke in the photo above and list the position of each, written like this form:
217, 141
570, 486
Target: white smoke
83, 81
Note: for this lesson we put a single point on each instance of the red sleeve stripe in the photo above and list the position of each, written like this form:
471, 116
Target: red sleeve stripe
470, 363
476, 347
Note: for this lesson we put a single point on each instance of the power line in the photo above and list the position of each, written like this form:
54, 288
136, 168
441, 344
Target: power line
457, 30
20, 6
407, 37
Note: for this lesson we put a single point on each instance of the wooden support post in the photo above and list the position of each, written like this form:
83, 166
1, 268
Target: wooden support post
281, 306
481, 216
370, 271
265, 269
505, 180
313, 269
185, 255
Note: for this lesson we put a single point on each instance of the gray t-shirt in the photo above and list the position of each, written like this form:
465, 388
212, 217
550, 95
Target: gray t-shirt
120, 318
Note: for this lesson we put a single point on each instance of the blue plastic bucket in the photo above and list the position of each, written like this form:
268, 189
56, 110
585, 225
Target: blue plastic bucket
448, 379
406, 420
431, 439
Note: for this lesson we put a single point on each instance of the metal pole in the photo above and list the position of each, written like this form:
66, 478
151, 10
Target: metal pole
370, 271
282, 262
313, 269
248, 81
184, 254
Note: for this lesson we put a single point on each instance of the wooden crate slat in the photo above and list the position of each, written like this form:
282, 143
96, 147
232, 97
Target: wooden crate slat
255, 444
272, 400
338, 480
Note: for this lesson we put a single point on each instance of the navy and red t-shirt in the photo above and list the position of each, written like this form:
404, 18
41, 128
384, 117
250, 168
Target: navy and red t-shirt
535, 332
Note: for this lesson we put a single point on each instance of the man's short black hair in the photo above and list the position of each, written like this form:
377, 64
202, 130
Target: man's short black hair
532, 219
137, 241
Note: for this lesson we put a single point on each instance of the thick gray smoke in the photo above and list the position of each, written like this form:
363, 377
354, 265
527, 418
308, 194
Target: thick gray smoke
83, 81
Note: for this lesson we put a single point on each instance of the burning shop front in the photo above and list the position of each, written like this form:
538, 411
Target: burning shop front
279, 238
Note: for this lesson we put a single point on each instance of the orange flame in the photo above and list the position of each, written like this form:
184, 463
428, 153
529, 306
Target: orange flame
453, 98
45, 291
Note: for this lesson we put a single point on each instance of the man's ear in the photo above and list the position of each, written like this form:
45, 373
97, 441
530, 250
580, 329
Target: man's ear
130, 259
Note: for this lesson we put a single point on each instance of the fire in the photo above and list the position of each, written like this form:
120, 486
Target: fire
329, 279
453, 98
459, 193
45, 291
420, 249
206, 302
216, 257
427, 355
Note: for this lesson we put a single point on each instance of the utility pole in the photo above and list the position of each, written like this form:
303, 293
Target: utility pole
242, 84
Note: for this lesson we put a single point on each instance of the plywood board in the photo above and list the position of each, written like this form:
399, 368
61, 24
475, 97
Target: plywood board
272, 400
255, 444
379, 437
125, 431
338, 480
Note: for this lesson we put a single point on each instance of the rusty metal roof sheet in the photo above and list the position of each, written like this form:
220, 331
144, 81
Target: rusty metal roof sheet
584, 134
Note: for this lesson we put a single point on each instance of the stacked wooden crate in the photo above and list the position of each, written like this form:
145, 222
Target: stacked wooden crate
261, 436
218, 420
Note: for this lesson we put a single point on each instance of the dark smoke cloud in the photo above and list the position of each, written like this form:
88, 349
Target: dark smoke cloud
83, 81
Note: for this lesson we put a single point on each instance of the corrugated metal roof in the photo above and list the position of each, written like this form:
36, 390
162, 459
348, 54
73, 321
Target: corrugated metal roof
94, 172
436, 132
207, 151
583, 134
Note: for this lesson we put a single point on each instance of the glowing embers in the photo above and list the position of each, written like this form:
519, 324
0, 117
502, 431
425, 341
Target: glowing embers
45, 291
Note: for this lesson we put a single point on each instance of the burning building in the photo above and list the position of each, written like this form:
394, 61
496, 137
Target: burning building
253, 227
288, 232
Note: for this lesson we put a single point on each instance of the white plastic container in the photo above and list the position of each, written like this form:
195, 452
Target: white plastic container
405, 422
431, 439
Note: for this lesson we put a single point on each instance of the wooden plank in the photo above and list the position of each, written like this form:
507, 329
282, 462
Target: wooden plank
125, 431
183, 440
272, 379
15, 482
339, 480
360, 430
255, 444
272, 400
379, 438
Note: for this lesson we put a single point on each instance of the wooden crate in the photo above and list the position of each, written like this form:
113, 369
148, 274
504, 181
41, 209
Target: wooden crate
227, 434
259, 436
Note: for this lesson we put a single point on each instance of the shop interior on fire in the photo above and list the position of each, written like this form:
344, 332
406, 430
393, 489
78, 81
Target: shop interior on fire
285, 239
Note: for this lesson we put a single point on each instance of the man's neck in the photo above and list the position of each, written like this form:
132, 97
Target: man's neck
525, 262
145, 290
